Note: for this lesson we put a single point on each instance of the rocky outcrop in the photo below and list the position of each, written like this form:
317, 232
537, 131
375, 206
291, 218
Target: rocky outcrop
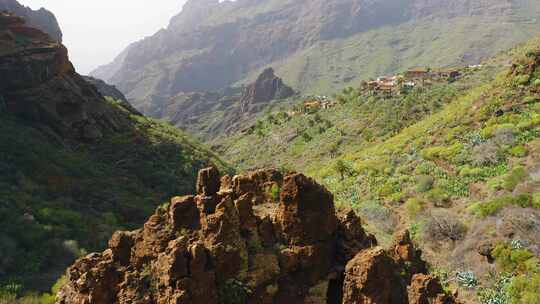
41, 19
38, 83
236, 242
266, 88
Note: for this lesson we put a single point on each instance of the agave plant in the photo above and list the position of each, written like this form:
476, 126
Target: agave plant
467, 279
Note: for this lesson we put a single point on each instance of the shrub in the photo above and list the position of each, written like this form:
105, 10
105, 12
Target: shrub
274, 192
414, 206
518, 151
536, 200
438, 197
444, 226
512, 260
491, 131
525, 289
495, 205
424, 183
442, 152
485, 154
515, 177
504, 137
522, 79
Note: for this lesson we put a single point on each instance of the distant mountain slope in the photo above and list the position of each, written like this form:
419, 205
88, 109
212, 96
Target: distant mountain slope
74, 166
316, 46
41, 19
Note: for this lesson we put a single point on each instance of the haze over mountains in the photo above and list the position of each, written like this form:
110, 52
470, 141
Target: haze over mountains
315, 46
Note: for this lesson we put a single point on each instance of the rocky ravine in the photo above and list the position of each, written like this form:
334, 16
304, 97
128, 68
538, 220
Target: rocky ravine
254, 238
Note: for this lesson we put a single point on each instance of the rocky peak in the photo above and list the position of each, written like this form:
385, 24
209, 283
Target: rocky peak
237, 241
41, 19
267, 87
38, 83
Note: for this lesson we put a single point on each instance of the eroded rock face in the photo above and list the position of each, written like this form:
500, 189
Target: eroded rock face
266, 88
239, 242
41, 19
38, 83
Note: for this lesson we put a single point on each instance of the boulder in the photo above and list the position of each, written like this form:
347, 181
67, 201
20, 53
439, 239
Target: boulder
372, 277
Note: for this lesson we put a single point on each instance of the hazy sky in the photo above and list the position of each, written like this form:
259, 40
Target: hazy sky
95, 31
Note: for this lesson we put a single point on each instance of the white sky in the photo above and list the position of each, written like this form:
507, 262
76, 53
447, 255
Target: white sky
95, 31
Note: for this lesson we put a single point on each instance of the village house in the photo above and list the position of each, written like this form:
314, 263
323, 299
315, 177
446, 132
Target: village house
417, 74
447, 74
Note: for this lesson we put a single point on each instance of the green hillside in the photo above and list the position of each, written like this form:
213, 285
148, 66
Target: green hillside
457, 164
63, 200
331, 65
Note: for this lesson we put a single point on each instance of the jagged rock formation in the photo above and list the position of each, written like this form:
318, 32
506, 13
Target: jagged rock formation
41, 19
35, 71
239, 241
267, 87
212, 114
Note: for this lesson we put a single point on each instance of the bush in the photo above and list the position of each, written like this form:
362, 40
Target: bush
525, 289
443, 152
515, 177
485, 154
518, 151
424, 183
522, 79
414, 206
438, 197
444, 226
513, 260
497, 204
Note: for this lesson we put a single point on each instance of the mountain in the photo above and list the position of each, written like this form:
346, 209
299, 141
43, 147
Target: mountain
456, 162
316, 46
41, 19
260, 237
74, 166
213, 114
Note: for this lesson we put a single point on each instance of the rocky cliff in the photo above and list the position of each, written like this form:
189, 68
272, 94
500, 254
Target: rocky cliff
41, 19
266, 88
35, 70
260, 237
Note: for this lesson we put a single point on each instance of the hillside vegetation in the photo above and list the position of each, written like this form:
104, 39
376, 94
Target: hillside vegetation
70, 199
457, 164
74, 166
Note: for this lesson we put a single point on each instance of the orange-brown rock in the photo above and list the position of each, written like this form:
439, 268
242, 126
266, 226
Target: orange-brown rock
407, 255
189, 253
426, 289
372, 277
